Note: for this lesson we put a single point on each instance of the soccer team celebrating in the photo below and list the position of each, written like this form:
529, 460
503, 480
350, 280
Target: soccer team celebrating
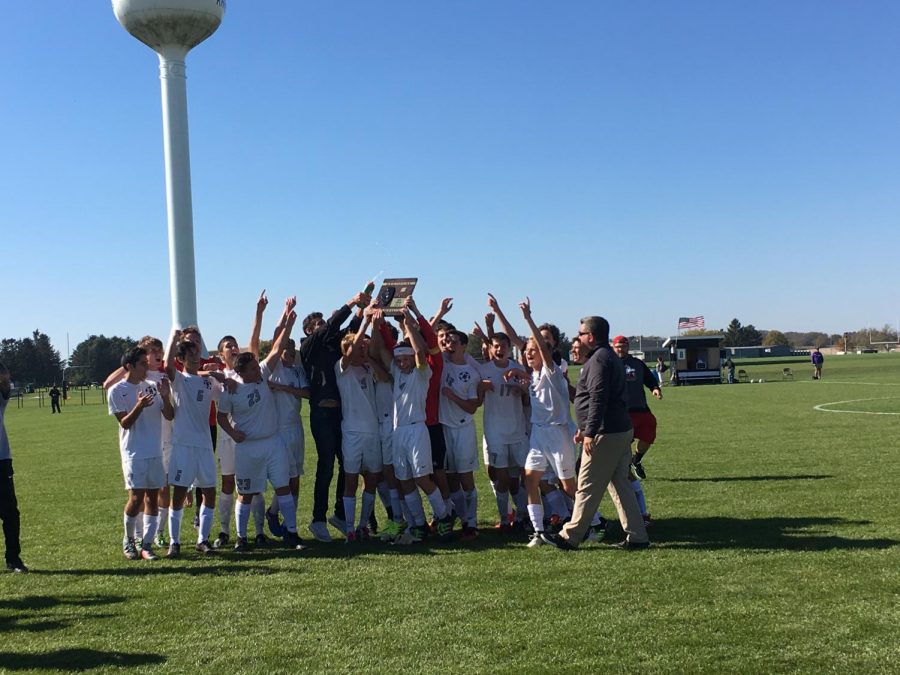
393, 405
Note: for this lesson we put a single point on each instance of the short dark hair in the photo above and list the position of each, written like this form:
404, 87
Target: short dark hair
554, 332
191, 329
501, 337
444, 325
184, 347
309, 319
245, 359
598, 327
132, 356
224, 339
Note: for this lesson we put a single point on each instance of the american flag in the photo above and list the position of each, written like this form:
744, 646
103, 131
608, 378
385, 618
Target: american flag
691, 322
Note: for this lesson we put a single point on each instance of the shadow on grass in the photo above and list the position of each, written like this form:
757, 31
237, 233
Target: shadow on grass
33, 613
774, 534
741, 479
74, 660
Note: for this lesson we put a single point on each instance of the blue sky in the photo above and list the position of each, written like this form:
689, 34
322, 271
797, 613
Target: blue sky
637, 160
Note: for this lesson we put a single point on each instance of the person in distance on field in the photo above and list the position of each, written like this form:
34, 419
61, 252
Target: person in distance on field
638, 376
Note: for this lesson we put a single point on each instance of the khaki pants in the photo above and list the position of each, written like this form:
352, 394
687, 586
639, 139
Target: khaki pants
606, 468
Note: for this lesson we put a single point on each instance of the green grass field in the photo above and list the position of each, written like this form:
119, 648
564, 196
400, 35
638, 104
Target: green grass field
776, 549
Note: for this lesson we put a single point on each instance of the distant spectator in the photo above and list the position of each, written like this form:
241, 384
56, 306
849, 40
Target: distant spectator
661, 368
817, 361
54, 400
729, 367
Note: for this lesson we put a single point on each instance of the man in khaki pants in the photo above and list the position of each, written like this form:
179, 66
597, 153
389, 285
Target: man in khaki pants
605, 432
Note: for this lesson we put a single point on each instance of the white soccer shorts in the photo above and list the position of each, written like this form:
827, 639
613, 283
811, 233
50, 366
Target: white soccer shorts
192, 465
412, 451
551, 446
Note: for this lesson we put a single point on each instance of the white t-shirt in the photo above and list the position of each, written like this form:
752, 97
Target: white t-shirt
357, 387
289, 405
384, 402
251, 408
193, 394
143, 440
504, 412
549, 397
410, 390
157, 376
463, 380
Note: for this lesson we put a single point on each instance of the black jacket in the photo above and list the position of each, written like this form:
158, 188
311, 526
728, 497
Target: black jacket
321, 350
601, 406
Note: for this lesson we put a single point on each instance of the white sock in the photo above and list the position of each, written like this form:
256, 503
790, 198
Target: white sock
639, 495
536, 513
438, 507
206, 521
416, 512
175, 516
384, 493
226, 503
349, 513
407, 514
274, 507
396, 505
368, 504
130, 523
459, 504
289, 511
139, 526
448, 505
242, 518
150, 525
259, 512
163, 519
472, 507
503, 506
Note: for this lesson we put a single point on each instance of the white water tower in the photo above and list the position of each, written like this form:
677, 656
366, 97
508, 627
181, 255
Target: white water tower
172, 28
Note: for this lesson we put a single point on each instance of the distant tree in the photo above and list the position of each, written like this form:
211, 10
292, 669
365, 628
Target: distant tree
565, 346
750, 337
32, 359
473, 349
96, 357
733, 334
774, 338
265, 346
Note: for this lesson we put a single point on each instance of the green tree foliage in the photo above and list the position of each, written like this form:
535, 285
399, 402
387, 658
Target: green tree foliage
737, 335
776, 337
32, 359
473, 349
96, 357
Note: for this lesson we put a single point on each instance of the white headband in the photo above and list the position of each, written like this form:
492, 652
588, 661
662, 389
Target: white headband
404, 351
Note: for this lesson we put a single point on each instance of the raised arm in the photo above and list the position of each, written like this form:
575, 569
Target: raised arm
415, 338
446, 306
514, 338
546, 352
255, 329
169, 358
379, 354
357, 345
274, 355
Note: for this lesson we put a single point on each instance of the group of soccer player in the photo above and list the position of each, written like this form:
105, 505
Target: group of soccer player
407, 401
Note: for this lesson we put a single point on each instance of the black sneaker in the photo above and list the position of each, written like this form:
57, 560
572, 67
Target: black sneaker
639, 469
174, 550
240, 545
373, 524
262, 540
627, 545
557, 540
293, 541
16, 566
204, 547
221, 541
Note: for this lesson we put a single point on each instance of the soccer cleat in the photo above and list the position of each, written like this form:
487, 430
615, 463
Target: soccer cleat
626, 545
161, 539
174, 551
16, 566
204, 547
262, 540
595, 533
406, 538
350, 537
363, 534
444, 527
147, 553
221, 541
419, 533
392, 530
130, 550
535, 540
468, 534
338, 523
274, 522
320, 531
557, 540
639, 469
293, 541
373, 523
240, 545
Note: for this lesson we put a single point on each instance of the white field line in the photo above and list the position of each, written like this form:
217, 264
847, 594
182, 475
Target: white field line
822, 406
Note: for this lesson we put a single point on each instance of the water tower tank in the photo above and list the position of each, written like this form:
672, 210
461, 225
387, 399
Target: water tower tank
185, 23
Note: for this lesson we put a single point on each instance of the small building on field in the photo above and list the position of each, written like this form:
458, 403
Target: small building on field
758, 352
695, 359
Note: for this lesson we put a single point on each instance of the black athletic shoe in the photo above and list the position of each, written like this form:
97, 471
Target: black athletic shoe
373, 524
240, 545
293, 541
221, 541
204, 547
627, 545
557, 540
639, 469
16, 566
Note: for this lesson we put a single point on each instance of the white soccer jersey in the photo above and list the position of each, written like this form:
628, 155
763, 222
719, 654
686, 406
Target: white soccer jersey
193, 394
549, 397
251, 407
504, 412
157, 376
357, 387
289, 405
463, 380
384, 402
143, 440
410, 390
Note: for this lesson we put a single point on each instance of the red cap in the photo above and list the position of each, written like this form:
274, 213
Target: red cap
619, 339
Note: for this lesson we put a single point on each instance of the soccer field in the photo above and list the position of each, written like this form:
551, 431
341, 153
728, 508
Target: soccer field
775, 548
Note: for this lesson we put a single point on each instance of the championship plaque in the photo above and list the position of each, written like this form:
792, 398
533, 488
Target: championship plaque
393, 294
